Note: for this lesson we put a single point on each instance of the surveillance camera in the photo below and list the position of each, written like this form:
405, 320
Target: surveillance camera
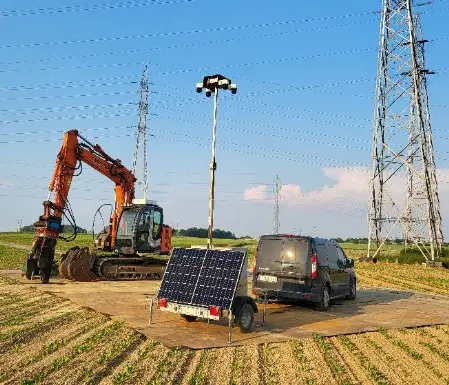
199, 89
208, 93
233, 88
224, 83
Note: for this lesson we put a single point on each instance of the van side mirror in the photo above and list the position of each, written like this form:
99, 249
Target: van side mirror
350, 262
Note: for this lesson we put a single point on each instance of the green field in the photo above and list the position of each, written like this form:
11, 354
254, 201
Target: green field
11, 257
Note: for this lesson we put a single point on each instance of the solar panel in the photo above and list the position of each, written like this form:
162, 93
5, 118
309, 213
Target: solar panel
202, 277
181, 275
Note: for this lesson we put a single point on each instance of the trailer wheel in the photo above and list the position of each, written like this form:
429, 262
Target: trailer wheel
244, 319
188, 318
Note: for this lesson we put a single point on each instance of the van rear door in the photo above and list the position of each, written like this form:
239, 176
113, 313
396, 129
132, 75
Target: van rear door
282, 262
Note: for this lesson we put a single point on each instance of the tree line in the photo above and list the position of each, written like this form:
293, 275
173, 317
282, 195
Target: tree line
202, 233
65, 229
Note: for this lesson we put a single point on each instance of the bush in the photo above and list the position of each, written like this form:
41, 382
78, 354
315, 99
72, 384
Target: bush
411, 256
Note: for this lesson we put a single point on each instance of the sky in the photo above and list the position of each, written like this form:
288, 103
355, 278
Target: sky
304, 108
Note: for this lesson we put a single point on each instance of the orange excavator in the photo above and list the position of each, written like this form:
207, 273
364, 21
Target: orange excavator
136, 231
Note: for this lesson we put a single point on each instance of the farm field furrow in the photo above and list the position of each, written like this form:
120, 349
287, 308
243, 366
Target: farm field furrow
428, 284
432, 357
416, 371
49, 340
92, 349
384, 280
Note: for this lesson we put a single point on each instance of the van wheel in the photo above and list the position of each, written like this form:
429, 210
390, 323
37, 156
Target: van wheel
352, 290
188, 318
245, 317
323, 305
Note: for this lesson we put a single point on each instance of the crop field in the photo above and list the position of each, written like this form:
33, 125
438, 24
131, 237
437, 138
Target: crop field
14, 246
49, 340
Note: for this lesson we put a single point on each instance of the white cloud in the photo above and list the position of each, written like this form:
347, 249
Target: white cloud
5, 184
257, 193
349, 190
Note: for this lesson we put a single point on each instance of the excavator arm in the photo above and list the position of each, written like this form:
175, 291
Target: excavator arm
76, 149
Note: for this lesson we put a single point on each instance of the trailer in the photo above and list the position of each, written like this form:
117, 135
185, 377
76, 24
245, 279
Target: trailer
208, 284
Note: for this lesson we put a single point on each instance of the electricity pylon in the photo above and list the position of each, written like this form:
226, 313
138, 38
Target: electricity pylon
277, 198
404, 202
141, 132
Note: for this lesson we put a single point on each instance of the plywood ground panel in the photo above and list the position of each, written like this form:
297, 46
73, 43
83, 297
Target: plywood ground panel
128, 301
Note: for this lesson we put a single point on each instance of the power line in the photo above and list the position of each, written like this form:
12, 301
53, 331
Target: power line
28, 111
67, 84
195, 31
62, 131
69, 96
184, 45
178, 71
73, 117
333, 161
91, 7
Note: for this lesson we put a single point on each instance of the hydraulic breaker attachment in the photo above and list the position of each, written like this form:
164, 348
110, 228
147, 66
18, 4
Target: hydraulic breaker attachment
40, 259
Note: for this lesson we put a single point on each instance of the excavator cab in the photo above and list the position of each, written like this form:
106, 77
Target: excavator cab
140, 230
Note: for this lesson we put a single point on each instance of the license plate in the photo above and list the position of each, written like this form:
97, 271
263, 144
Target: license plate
189, 310
267, 278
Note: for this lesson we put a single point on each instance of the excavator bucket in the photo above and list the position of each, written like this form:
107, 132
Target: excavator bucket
77, 264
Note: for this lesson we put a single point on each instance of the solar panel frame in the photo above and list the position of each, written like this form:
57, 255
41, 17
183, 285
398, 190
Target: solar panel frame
223, 300
169, 286
210, 258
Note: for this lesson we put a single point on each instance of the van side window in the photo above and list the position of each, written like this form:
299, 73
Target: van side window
321, 254
341, 257
331, 252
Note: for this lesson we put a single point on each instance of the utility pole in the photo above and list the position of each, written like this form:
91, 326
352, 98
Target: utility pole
277, 198
141, 132
402, 147
212, 84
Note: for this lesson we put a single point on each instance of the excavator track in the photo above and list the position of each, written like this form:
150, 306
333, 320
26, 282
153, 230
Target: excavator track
129, 268
78, 264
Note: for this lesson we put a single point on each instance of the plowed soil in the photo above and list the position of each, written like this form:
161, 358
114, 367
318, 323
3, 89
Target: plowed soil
45, 339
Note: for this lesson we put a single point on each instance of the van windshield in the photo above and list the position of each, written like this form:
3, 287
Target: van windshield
283, 254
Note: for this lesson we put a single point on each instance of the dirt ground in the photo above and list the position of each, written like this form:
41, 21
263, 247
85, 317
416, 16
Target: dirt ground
128, 301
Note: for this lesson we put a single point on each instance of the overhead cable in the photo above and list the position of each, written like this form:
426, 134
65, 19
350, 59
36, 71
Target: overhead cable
88, 7
195, 31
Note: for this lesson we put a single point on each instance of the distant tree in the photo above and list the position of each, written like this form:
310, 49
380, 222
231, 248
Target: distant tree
339, 240
65, 229
202, 233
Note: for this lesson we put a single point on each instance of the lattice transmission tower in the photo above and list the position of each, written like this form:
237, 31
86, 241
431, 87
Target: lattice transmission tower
277, 199
140, 150
404, 202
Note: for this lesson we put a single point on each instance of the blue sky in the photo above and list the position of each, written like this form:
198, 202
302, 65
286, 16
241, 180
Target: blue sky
306, 77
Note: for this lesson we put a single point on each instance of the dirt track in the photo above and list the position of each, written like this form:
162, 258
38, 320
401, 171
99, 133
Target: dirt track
373, 308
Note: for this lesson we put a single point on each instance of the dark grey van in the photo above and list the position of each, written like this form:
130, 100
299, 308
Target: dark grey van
303, 268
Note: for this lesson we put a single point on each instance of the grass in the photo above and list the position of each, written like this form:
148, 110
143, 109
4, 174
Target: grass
14, 258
